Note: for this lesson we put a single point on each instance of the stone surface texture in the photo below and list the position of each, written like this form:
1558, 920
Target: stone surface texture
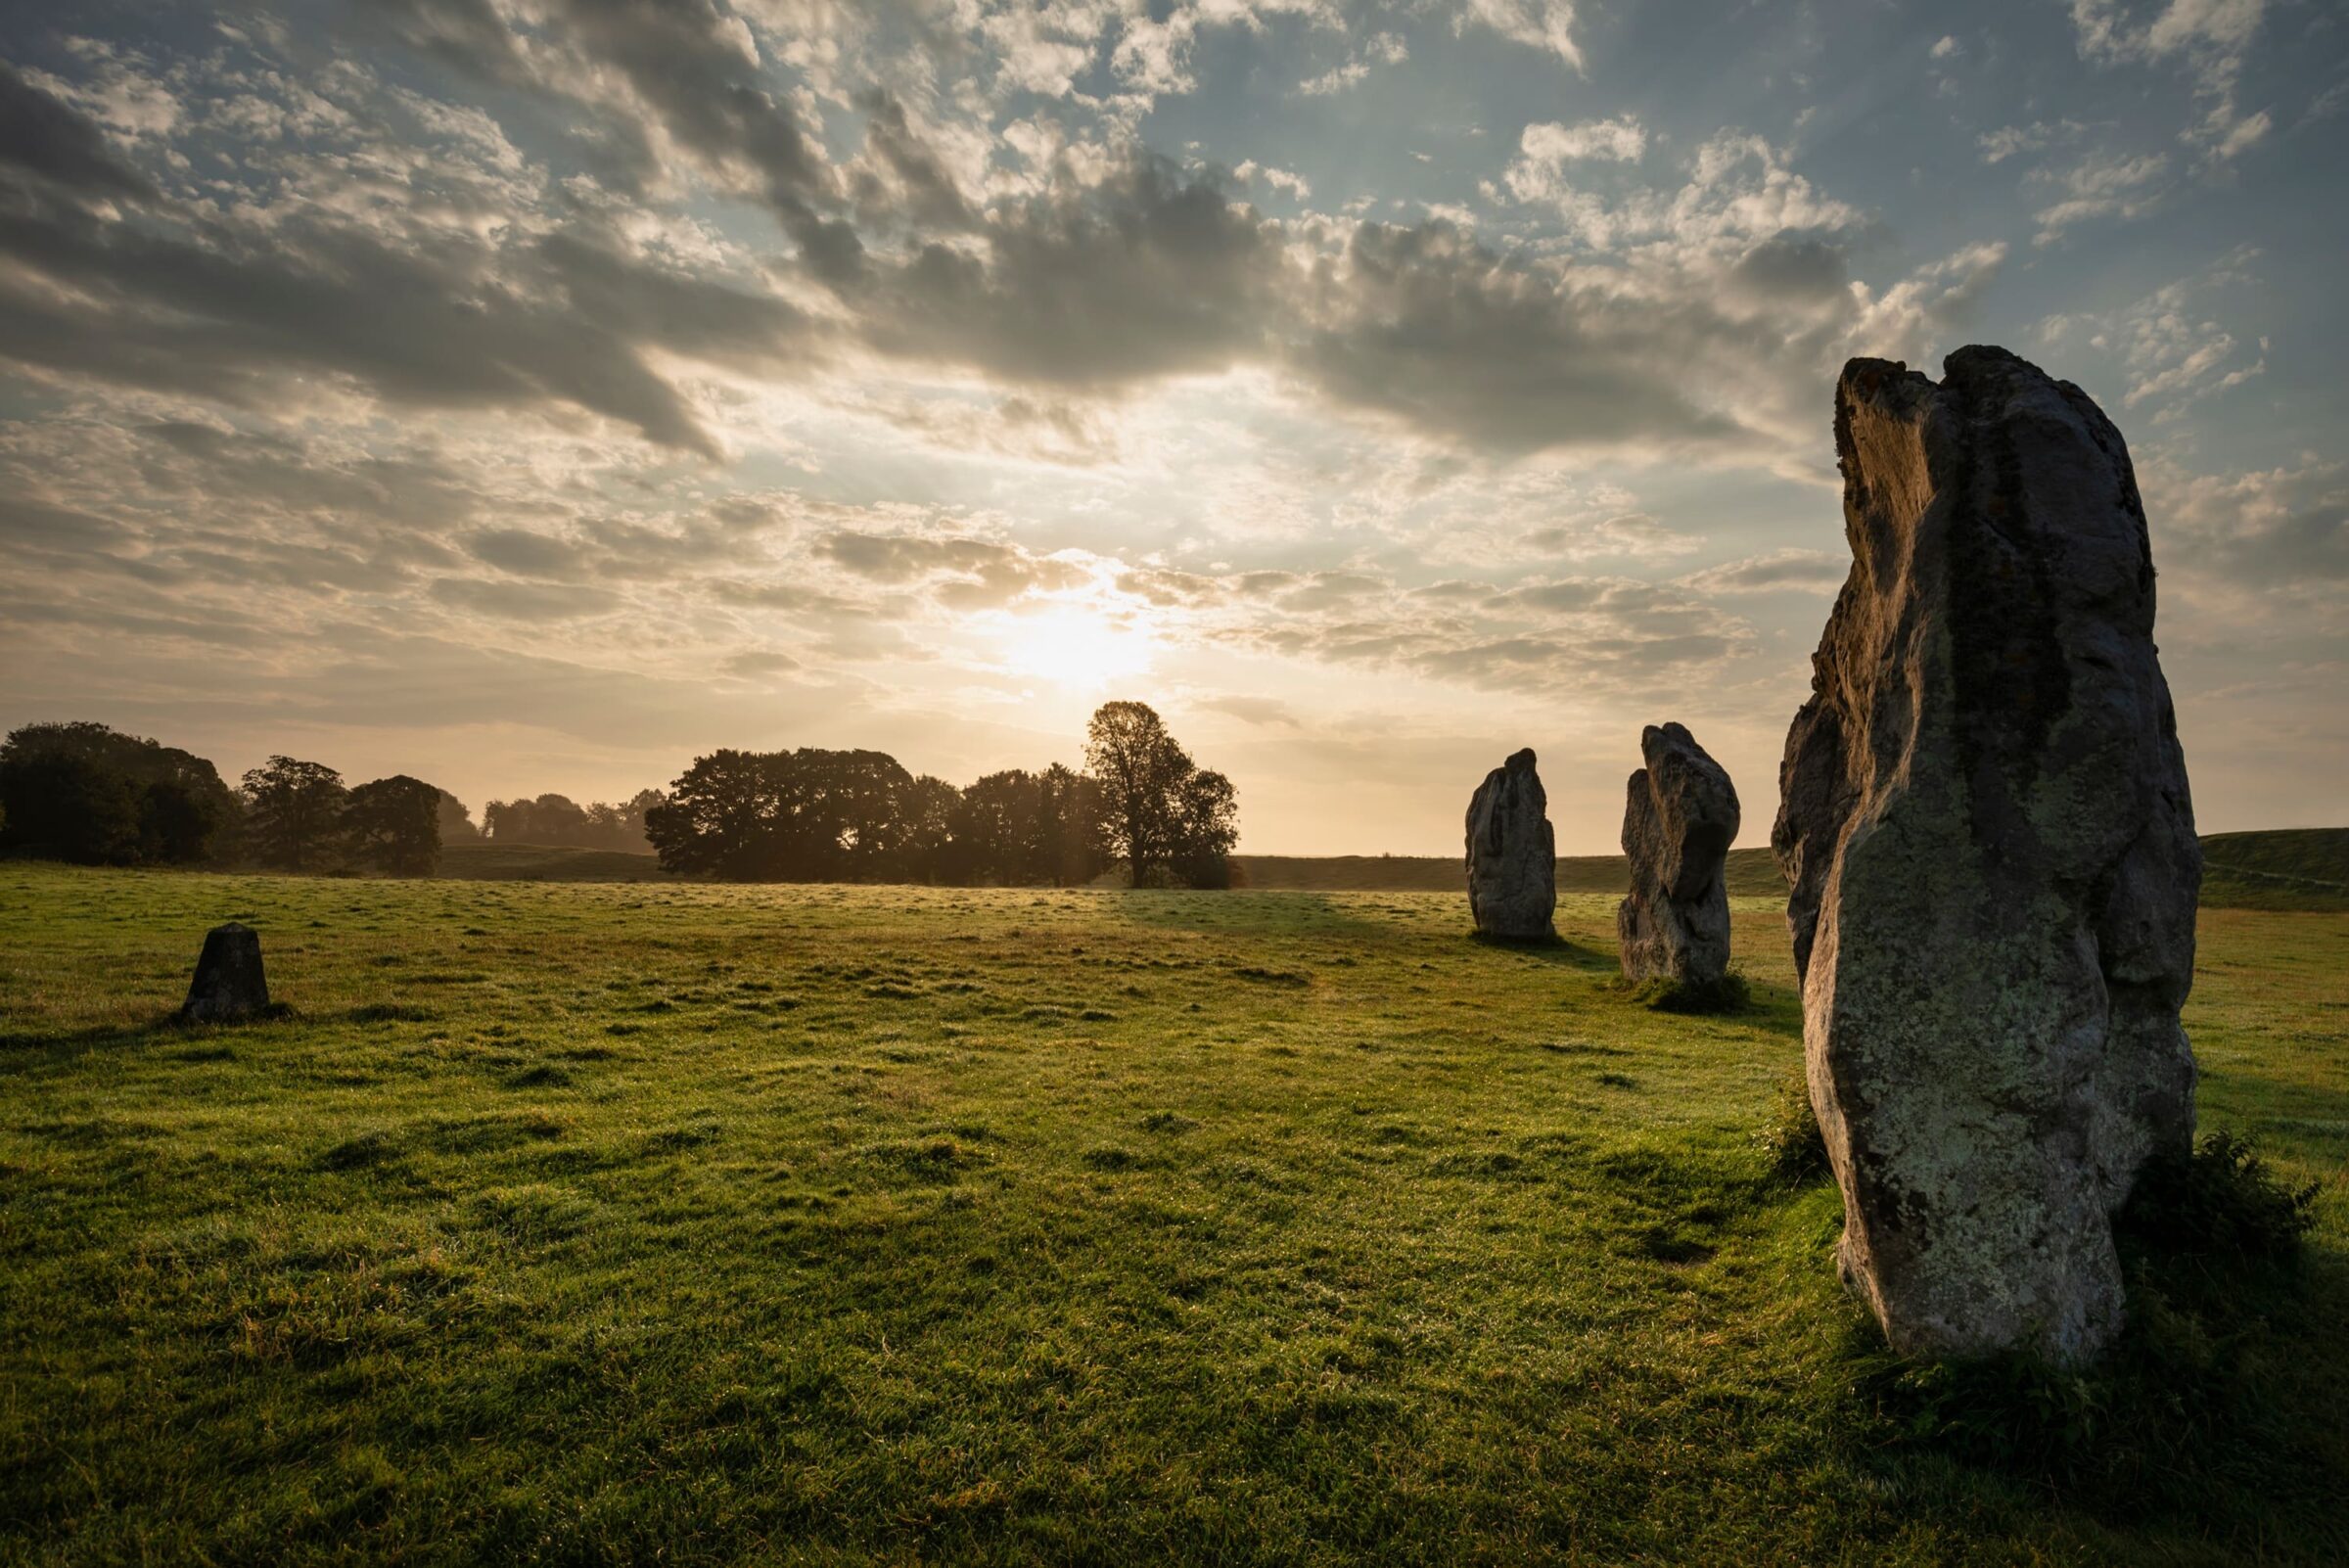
1679, 817
1512, 854
1986, 825
229, 984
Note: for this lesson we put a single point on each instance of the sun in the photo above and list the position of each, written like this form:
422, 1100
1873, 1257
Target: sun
1070, 645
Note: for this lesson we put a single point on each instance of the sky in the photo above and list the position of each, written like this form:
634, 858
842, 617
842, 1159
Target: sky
532, 395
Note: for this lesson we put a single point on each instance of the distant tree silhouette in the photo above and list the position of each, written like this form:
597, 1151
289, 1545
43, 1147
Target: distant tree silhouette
808, 816
924, 848
559, 820
997, 830
393, 825
1167, 819
294, 813
455, 820
1074, 847
88, 793
1206, 817
1016, 828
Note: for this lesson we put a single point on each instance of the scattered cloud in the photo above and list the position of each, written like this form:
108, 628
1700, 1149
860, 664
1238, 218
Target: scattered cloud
1783, 571
1543, 24
2173, 353
2210, 38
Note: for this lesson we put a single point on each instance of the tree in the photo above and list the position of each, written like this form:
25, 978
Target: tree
721, 817
809, 815
88, 793
558, 820
67, 807
394, 824
294, 813
552, 819
1159, 813
455, 822
998, 837
1207, 824
925, 837
1074, 847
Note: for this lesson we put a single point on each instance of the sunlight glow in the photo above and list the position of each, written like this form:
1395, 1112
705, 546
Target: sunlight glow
1075, 646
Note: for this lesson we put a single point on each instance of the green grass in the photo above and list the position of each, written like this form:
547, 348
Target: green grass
581, 1222
2301, 868
2291, 869
541, 863
1749, 872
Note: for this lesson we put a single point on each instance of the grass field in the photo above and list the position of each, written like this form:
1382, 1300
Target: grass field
587, 1223
2306, 868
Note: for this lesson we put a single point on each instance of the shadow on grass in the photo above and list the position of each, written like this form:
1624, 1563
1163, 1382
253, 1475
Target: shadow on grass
1551, 949
162, 1027
2198, 1419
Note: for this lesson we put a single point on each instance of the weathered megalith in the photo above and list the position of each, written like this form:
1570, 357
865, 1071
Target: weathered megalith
1986, 824
1680, 818
1512, 854
229, 984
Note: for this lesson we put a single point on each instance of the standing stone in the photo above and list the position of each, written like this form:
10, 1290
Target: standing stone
1678, 822
1987, 828
229, 984
1512, 855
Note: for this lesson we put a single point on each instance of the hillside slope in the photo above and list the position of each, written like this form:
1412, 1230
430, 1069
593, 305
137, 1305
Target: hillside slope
2286, 868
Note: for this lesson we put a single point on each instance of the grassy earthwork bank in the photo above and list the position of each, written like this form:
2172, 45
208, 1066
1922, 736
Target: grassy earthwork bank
601, 1223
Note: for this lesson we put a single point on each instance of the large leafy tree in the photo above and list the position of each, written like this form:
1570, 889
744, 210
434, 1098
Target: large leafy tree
294, 813
808, 815
88, 793
1016, 828
721, 817
1207, 825
394, 824
1167, 819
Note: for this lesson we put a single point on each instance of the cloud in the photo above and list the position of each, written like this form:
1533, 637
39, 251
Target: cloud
2254, 538
1385, 48
2211, 38
1278, 179
1539, 172
2171, 352
2012, 141
2100, 185
525, 601
1543, 24
41, 135
241, 306
1783, 571
962, 573
525, 553
1265, 711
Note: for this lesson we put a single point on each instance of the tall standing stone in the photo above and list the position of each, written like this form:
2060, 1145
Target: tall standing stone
1512, 854
1679, 817
229, 984
1992, 848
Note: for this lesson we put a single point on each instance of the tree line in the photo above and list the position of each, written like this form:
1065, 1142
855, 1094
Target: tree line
91, 795
818, 815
